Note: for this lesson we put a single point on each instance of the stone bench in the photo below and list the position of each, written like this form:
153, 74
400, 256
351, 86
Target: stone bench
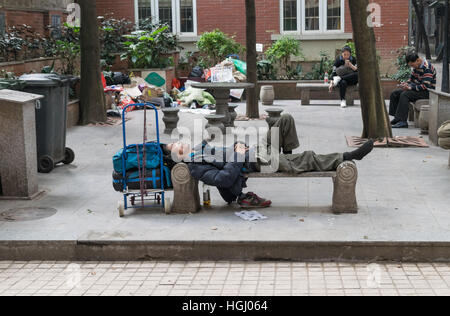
306, 88
187, 198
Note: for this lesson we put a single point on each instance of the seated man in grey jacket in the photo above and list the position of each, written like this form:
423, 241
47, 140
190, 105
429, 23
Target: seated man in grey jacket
228, 172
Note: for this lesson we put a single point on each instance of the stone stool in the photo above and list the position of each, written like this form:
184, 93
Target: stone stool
233, 114
274, 116
171, 119
424, 118
215, 121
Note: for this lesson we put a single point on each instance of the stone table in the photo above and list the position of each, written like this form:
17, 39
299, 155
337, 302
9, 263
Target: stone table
221, 91
18, 167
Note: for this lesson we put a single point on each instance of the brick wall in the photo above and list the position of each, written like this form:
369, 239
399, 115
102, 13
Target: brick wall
122, 9
393, 33
38, 20
229, 16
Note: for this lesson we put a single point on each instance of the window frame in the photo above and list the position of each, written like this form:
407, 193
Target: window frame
299, 19
176, 16
323, 19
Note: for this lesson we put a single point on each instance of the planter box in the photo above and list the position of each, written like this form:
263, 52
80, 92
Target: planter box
287, 89
27, 66
73, 113
439, 113
168, 74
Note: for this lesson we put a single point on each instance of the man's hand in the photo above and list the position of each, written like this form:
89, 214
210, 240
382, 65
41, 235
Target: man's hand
405, 86
241, 148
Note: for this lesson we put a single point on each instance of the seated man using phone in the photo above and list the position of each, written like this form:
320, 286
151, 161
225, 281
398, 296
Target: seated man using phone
423, 79
228, 174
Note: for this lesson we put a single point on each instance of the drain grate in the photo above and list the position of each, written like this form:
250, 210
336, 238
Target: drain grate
26, 214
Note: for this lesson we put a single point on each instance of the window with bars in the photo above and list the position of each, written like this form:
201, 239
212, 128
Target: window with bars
333, 15
144, 9
56, 26
2, 23
186, 16
312, 15
290, 17
317, 16
179, 15
165, 12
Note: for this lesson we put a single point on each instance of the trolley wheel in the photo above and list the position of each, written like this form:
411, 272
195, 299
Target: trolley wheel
158, 199
167, 205
46, 164
121, 209
133, 200
69, 156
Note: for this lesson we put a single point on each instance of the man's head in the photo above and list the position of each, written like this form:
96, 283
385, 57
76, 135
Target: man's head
346, 52
178, 150
413, 60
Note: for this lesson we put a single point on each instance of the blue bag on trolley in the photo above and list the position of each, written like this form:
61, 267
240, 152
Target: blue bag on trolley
151, 152
152, 179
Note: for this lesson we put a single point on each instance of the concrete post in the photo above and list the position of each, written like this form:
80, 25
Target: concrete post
18, 167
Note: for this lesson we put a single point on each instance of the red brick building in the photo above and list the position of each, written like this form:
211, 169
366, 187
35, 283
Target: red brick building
35, 13
320, 25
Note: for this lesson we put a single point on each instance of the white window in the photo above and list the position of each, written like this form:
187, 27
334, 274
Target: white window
312, 16
180, 15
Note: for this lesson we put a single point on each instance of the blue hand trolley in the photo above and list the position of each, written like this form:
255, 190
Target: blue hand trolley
156, 195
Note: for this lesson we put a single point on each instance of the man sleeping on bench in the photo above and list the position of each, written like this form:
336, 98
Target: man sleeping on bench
228, 175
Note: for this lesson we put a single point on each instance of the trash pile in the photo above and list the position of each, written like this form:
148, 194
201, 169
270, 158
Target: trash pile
122, 90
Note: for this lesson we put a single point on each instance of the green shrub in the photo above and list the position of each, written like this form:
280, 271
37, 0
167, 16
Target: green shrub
403, 70
324, 66
148, 47
215, 47
280, 53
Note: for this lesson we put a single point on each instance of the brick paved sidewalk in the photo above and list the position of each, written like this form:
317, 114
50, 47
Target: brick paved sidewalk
221, 278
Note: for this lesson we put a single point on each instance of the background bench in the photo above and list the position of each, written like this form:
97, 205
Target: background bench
187, 197
306, 88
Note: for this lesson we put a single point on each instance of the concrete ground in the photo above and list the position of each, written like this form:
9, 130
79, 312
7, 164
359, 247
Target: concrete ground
402, 193
224, 278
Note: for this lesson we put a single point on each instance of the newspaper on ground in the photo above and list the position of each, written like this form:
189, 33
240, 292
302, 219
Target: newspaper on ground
250, 216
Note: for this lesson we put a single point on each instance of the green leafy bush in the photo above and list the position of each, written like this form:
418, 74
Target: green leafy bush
148, 47
111, 37
215, 47
324, 66
280, 53
403, 70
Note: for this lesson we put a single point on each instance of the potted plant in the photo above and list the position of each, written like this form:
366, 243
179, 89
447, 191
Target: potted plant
148, 51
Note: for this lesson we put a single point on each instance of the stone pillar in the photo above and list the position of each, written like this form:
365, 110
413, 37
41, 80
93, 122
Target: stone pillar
216, 121
233, 114
274, 116
170, 119
18, 167
344, 196
186, 195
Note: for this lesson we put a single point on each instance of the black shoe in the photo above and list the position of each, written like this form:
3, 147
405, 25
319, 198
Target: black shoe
361, 152
400, 125
395, 121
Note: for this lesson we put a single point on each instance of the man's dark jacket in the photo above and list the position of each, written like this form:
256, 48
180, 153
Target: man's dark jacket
227, 174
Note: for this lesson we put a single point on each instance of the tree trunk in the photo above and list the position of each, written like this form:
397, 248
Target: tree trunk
92, 96
445, 70
421, 26
373, 107
252, 75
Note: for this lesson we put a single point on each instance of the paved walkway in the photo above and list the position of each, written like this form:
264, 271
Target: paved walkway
402, 193
221, 278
